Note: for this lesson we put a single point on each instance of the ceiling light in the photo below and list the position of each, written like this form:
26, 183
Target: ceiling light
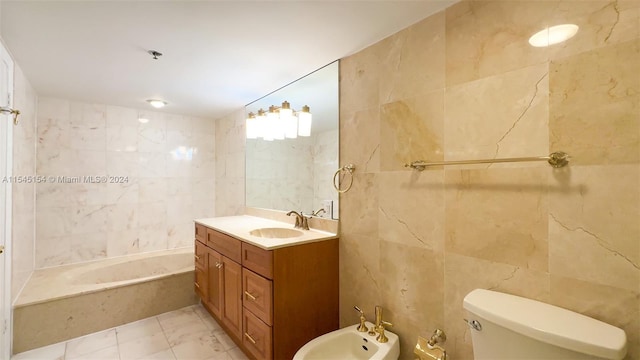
143, 120
279, 123
553, 35
157, 103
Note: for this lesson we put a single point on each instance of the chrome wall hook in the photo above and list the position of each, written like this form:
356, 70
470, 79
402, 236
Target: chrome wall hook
14, 112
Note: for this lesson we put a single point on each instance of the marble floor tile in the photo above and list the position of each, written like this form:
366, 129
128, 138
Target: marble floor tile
91, 343
204, 347
224, 339
143, 346
189, 333
51, 352
178, 318
138, 329
109, 353
237, 354
162, 355
180, 334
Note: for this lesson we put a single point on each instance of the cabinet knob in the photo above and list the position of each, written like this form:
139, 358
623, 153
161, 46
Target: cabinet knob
197, 257
219, 265
197, 285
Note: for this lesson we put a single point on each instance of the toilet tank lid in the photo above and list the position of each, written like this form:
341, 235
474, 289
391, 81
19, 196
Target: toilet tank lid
548, 323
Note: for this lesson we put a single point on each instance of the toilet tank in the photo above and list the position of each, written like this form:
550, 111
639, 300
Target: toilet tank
513, 327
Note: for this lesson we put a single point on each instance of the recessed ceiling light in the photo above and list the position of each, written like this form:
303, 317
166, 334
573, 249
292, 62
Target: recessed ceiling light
553, 35
157, 103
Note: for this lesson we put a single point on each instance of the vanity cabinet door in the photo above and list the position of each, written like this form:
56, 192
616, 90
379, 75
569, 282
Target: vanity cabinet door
232, 307
215, 282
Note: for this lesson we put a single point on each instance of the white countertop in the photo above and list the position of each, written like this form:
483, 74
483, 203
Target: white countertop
240, 226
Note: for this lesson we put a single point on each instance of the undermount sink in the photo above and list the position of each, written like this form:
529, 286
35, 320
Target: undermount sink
276, 233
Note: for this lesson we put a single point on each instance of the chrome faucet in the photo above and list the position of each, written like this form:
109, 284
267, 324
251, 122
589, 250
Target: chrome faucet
301, 220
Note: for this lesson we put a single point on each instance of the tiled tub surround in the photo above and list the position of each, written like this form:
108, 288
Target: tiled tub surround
465, 84
169, 165
73, 300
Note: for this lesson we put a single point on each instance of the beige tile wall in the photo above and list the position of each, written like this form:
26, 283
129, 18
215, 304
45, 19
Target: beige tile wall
465, 84
23, 194
230, 160
168, 178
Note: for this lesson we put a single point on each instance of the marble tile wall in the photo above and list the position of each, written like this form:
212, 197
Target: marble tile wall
279, 174
465, 84
160, 176
230, 160
23, 194
292, 174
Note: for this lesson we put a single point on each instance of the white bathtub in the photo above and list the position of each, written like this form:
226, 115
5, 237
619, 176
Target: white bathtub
67, 301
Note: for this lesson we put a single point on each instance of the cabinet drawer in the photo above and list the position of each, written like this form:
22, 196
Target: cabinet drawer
201, 233
224, 244
257, 336
257, 295
257, 259
200, 255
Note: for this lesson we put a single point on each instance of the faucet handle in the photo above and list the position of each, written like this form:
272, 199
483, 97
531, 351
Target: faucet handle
382, 338
362, 327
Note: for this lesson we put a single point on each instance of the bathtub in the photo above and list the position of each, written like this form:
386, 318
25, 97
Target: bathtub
65, 302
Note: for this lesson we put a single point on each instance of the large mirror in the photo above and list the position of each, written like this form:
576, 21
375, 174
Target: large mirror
297, 173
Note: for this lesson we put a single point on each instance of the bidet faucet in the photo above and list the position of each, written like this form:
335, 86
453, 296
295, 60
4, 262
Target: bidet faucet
301, 220
379, 326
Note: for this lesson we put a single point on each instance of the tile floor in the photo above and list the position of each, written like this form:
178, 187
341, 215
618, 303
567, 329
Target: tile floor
186, 334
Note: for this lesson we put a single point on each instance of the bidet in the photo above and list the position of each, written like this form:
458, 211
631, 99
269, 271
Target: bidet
350, 344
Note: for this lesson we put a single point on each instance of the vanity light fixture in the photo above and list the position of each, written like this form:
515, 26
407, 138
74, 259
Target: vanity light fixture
157, 103
553, 35
143, 120
279, 123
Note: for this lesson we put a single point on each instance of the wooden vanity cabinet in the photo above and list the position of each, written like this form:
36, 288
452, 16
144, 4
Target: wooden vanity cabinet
272, 302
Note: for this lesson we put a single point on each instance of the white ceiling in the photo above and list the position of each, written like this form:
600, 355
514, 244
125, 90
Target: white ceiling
218, 55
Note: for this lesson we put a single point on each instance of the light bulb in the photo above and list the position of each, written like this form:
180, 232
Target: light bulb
304, 122
251, 126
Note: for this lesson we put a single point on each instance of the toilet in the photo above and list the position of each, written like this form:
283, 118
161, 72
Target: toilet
510, 327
